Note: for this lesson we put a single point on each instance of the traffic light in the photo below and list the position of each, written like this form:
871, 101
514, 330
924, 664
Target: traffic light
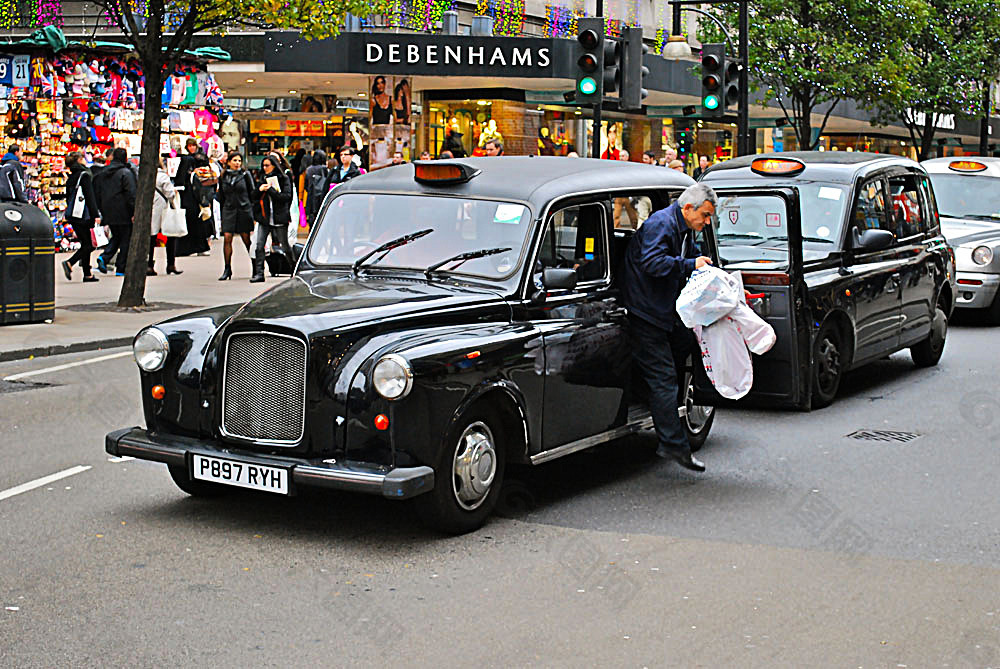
685, 141
589, 59
612, 65
732, 86
713, 71
633, 71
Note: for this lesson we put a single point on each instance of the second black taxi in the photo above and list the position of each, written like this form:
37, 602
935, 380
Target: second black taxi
848, 251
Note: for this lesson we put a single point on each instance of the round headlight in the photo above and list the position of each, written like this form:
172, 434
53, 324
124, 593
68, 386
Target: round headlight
392, 377
982, 255
150, 349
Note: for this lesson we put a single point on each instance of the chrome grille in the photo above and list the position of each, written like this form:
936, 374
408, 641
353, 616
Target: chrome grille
263, 388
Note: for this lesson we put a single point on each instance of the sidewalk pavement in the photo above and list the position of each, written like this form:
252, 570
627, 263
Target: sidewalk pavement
87, 318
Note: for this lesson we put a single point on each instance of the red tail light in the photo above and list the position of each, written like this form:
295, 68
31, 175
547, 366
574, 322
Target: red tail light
970, 282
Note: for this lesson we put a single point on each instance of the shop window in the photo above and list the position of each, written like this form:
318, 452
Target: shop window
575, 238
908, 218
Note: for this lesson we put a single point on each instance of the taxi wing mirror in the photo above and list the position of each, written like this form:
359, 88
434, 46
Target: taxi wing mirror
872, 240
556, 278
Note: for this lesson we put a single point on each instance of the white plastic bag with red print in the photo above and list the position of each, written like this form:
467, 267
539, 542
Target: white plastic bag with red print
709, 294
726, 358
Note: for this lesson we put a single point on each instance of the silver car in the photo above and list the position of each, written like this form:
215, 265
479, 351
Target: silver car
968, 199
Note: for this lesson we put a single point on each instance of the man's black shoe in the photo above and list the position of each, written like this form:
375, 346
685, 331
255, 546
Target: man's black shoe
685, 460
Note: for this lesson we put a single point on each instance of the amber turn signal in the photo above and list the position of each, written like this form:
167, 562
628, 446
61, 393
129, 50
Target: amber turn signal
158, 392
381, 422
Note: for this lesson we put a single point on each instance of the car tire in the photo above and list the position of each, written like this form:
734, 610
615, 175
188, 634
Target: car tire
928, 352
828, 365
698, 419
993, 311
194, 487
468, 476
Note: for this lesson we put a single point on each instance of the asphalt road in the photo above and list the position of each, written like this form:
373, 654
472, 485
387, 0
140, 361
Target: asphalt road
800, 546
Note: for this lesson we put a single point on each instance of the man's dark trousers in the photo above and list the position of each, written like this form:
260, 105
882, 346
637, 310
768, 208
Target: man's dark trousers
123, 234
658, 353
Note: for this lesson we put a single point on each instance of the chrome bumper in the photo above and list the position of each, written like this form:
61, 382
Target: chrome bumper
394, 483
976, 295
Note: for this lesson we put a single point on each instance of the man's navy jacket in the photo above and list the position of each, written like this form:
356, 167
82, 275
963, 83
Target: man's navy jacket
655, 269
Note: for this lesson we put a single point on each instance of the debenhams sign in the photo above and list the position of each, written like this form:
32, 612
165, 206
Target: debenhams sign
458, 55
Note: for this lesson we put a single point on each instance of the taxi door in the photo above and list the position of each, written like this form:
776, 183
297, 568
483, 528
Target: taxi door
759, 234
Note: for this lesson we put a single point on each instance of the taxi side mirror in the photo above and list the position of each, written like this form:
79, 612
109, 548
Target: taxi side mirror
555, 278
872, 240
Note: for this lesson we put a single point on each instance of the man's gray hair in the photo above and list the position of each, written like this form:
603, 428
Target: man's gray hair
697, 195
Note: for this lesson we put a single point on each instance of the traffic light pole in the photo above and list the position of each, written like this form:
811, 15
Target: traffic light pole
743, 109
595, 142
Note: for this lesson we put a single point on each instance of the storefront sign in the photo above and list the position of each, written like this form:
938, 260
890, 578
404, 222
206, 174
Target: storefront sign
266, 127
435, 54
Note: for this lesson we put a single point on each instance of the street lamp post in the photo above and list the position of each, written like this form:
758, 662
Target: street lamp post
743, 53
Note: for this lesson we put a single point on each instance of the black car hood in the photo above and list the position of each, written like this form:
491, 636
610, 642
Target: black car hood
961, 231
316, 302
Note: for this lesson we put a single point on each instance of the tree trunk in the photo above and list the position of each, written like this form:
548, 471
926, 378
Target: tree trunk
926, 137
134, 285
803, 125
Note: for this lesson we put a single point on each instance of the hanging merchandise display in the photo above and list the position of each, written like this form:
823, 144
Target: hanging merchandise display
90, 101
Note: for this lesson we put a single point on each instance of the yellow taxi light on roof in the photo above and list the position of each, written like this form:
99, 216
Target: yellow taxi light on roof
442, 173
966, 166
776, 166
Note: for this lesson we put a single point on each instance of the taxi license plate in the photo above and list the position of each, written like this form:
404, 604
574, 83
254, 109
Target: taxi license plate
242, 474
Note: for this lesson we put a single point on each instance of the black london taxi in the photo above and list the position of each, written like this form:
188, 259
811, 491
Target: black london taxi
445, 319
968, 196
847, 249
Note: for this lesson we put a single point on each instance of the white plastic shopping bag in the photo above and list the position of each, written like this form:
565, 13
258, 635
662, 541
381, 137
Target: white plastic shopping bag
709, 294
726, 358
756, 332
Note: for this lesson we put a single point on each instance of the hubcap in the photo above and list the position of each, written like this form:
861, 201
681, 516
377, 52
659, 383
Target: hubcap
829, 364
475, 466
697, 416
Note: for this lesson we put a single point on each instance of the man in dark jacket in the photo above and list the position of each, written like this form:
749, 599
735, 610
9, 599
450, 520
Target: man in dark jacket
660, 257
316, 184
347, 169
12, 176
115, 191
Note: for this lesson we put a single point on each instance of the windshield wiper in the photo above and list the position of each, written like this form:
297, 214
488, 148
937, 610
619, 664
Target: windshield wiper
784, 238
980, 217
740, 235
389, 246
460, 258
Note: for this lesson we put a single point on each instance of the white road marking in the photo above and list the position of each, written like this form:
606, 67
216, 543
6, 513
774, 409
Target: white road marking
45, 480
59, 368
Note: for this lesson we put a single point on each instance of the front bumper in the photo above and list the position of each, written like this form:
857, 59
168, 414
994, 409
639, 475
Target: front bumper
978, 293
394, 483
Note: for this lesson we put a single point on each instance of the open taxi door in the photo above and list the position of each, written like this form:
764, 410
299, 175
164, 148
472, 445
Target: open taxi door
759, 234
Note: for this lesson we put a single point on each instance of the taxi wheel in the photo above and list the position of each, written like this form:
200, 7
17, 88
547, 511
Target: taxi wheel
993, 311
697, 419
194, 487
928, 352
827, 366
468, 476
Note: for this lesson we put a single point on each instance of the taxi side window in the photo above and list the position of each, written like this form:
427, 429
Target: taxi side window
575, 238
907, 214
871, 210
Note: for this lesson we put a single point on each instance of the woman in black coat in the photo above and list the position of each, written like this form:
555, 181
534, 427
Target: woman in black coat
80, 178
236, 195
273, 213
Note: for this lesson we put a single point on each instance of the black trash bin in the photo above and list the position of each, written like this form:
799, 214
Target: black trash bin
27, 264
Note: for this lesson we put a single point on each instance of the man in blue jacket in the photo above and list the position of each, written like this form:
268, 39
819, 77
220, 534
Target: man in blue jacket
660, 257
12, 176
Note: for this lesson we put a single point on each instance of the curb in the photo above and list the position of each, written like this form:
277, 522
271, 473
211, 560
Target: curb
59, 349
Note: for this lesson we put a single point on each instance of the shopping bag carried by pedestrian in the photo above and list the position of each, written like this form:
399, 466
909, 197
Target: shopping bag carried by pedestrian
709, 294
79, 210
174, 220
726, 358
757, 333
99, 236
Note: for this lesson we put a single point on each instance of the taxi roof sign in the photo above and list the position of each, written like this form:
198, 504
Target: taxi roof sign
770, 167
442, 173
966, 166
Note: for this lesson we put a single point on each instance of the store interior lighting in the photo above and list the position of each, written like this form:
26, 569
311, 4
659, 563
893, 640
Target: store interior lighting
250, 81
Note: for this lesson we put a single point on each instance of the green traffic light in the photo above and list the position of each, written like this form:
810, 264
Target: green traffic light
710, 102
588, 86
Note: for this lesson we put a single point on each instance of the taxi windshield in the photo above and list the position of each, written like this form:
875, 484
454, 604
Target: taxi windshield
355, 224
963, 196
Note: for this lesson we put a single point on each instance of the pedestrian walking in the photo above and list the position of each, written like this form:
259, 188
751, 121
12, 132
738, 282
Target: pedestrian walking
82, 217
317, 180
236, 194
196, 199
660, 257
347, 169
163, 198
272, 211
494, 147
703, 164
114, 189
12, 176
